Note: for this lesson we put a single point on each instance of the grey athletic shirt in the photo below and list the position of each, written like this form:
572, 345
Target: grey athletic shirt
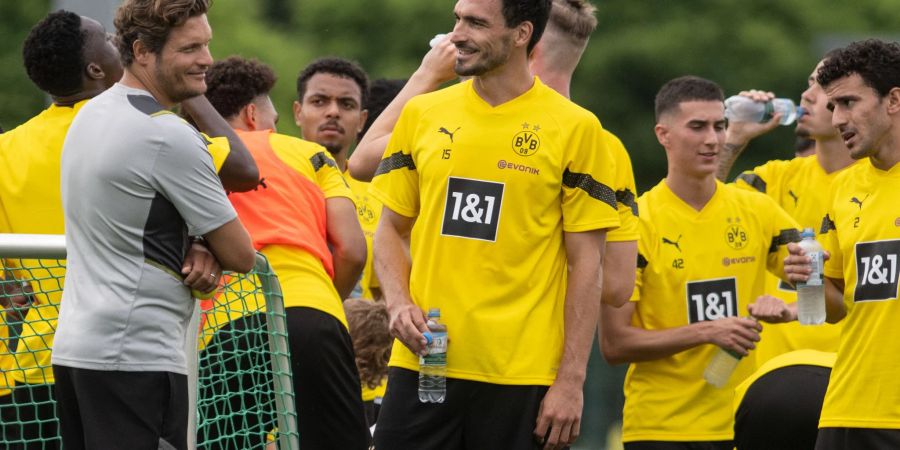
136, 181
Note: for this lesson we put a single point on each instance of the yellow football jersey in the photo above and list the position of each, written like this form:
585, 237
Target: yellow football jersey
492, 190
626, 194
368, 210
695, 266
800, 186
862, 232
31, 201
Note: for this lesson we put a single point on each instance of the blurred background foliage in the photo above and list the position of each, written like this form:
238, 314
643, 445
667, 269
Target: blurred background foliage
638, 45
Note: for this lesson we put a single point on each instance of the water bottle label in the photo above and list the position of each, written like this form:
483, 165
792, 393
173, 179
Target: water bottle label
438, 344
876, 270
817, 266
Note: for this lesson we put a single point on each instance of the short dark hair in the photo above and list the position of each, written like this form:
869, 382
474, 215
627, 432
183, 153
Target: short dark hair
234, 82
340, 67
151, 21
381, 94
877, 62
53, 54
685, 89
535, 11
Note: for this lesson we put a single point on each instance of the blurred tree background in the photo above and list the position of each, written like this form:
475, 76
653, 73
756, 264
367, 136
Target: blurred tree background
638, 45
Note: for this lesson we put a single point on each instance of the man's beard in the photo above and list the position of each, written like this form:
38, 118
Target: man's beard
332, 148
168, 82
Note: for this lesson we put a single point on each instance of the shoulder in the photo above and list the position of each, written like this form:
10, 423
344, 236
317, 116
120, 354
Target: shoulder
435, 99
298, 152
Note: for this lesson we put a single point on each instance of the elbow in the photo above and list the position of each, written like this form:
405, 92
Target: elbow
357, 170
352, 256
615, 296
243, 179
244, 262
611, 352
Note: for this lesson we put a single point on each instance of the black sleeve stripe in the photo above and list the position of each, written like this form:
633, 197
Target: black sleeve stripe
319, 160
783, 238
396, 161
626, 197
827, 225
753, 180
588, 184
642, 262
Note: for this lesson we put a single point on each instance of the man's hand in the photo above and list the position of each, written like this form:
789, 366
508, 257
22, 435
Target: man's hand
438, 64
408, 323
771, 309
559, 418
738, 334
798, 266
15, 298
201, 269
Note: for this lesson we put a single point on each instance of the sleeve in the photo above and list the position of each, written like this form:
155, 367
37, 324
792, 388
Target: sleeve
783, 230
219, 148
626, 194
185, 175
644, 252
763, 178
329, 177
396, 182
588, 201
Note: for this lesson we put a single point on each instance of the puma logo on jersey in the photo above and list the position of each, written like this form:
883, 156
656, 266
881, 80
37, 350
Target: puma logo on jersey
793, 196
673, 243
858, 201
448, 132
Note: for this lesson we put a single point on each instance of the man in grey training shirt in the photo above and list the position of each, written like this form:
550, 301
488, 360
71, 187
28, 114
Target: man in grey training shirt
138, 185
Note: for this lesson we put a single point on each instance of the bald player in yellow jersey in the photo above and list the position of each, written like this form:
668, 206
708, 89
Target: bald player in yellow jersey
30, 199
861, 231
703, 253
801, 186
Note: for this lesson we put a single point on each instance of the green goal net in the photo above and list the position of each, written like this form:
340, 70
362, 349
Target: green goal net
242, 393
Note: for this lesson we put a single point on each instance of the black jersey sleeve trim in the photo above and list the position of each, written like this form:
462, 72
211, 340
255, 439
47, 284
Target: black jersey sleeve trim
587, 183
395, 161
827, 225
626, 197
753, 180
319, 160
783, 238
642, 262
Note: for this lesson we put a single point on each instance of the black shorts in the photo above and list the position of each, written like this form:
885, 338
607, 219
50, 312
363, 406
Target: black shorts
235, 405
112, 410
668, 445
330, 411
858, 439
36, 425
473, 415
781, 409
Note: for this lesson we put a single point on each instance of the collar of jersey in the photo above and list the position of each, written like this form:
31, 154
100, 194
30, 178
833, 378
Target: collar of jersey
681, 207
483, 105
893, 172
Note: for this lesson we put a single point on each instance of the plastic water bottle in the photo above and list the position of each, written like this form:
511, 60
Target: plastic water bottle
811, 293
720, 367
742, 109
433, 366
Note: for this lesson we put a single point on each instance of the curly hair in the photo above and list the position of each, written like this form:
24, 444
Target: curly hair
535, 11
151, 21
686, 89
335, 66
234, 82
53, 53
368, 321
877, 62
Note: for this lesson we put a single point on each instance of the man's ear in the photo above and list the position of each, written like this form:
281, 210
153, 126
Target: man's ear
523, 34
298, 109
247, 116
142, 54
893, 100
94, 72
662, 134
363, 117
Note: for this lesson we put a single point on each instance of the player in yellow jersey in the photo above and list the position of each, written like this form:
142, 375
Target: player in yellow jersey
801, 187
703, 254
30, 188
861, 231
499, 183
304, 221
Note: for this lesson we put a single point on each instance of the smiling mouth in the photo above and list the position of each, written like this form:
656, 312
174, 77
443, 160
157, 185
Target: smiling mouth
847, 136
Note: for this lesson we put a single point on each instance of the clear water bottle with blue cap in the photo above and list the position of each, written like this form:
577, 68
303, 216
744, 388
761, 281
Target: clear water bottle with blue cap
811, 293
744, 109
433, 366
